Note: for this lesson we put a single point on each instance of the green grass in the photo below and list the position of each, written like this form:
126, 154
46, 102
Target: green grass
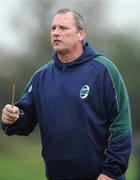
131, 172
20, 159
20, 168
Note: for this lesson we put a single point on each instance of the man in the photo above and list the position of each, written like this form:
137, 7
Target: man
81, 104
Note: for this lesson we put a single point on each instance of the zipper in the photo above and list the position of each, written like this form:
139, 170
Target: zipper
64, 68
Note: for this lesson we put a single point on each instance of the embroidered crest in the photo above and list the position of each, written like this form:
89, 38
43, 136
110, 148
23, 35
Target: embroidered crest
84, 91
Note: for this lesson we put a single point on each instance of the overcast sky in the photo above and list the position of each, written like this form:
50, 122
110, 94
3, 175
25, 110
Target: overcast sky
124, 13
121, 14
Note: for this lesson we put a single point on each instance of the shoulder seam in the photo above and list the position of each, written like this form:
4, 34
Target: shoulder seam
110, 77
44, 67
28, 85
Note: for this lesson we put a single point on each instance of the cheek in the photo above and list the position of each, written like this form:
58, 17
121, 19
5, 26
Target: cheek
51, 38
72, 38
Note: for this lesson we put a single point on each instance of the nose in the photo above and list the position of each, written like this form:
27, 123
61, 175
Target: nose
56, 32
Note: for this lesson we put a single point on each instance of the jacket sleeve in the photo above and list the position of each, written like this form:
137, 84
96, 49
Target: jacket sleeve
28, 119
117, 108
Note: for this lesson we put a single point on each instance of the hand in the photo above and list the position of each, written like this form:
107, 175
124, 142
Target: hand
10, 114
104, 177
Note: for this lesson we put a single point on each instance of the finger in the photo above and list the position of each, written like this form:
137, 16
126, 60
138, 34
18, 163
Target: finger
10, 116
7, 118
8, 108
11, 109
5, 121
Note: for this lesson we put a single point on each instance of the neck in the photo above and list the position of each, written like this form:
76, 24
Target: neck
70, 56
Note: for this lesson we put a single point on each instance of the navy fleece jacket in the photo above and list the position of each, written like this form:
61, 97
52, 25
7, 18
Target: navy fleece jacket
83, 113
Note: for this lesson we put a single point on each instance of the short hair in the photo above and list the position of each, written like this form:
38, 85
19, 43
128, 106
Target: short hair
79, 20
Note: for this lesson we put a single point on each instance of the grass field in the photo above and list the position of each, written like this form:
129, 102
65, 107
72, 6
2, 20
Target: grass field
20, 159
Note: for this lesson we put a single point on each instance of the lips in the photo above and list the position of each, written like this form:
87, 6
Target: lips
56, 41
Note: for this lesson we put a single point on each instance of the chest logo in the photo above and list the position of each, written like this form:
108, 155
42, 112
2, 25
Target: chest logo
84, 91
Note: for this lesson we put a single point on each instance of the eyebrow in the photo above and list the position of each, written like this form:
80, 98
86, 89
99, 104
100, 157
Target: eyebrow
61, 25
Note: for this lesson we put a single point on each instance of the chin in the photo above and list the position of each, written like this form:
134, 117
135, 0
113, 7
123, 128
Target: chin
59, 49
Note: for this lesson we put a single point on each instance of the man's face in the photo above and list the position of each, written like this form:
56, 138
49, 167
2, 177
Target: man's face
65, 36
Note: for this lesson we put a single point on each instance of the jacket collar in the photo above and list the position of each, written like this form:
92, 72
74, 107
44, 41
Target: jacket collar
88, 54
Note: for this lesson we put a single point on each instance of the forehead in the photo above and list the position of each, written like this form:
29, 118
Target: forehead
64, 18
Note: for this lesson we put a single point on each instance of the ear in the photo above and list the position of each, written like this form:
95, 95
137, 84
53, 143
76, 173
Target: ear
82, 34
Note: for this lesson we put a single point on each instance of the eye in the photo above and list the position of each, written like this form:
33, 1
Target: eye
53, 28
63, 28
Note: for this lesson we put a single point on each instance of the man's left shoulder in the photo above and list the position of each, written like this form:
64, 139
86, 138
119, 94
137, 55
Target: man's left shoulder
107, 63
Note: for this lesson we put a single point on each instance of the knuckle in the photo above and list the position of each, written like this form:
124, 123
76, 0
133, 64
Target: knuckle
6, 106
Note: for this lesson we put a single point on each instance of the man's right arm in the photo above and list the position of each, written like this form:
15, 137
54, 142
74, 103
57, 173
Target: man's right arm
20, 119
15, 122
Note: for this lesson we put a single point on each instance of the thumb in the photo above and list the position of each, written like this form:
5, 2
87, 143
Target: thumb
16, 110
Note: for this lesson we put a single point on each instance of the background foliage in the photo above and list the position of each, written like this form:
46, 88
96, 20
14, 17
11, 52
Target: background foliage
20, 157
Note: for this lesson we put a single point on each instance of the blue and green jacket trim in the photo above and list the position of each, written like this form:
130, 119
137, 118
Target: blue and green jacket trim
82, 109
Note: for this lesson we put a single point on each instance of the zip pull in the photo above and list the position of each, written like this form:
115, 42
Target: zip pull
64, 68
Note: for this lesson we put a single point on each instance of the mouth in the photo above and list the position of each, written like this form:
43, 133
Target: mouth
56, 41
